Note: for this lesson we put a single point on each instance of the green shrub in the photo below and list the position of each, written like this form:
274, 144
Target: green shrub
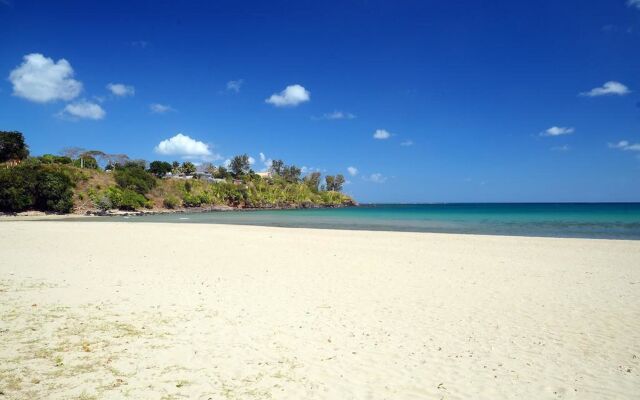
104, 203
32, 186
122, 199
17, 190
53, 159
54, 192
132, 176
195, 199
132, 201
171, 202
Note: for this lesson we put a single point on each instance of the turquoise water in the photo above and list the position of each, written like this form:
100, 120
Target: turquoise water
585, 220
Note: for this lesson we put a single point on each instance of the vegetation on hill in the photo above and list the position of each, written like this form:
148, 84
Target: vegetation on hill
74, 181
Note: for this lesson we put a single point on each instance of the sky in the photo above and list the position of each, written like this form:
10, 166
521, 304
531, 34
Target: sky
413, 101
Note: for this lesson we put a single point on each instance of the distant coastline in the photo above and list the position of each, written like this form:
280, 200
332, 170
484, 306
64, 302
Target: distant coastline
594, 221
84, 181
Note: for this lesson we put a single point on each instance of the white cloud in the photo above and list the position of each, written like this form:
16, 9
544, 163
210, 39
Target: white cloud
609, 88
557, 131
353, 171
252, 160
291, 96
160, 108
376, 178
408, 142
304, 169
634, 3
120, 89
83, 109
625, 145
40, 79
561, 148
381, 134
265, 161
235, 85
338, 115
183, 145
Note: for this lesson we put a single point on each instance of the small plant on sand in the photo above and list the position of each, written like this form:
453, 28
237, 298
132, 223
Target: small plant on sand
58, 361
182, 383
85, 396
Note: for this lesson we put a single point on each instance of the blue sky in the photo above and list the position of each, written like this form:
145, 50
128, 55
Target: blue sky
469, 100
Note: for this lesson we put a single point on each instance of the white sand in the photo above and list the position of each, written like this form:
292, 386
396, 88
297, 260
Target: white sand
169, 311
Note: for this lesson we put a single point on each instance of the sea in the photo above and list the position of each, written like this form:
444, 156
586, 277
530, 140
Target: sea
575, 220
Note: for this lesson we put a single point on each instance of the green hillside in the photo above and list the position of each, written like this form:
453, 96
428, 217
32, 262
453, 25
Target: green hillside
77, 184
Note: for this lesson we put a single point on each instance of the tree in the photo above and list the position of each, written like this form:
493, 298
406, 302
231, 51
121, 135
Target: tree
159, 168
334, 183
35, 186
139, 162
85, 158
97, 154
221, 173
86, 161
116, 159
339, 181
291, 173
72, 152
188, 167
276, 167
207, 167
240, 165
330, 182
313, 181
12, 147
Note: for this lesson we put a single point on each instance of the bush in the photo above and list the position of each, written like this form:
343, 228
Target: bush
53, 159
195, 199
35, 187
132, 201
104, 203
171, 202
122, 199
17, 190
54, 192
132, 176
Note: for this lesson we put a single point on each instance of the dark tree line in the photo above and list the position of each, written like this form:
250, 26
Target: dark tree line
13, 148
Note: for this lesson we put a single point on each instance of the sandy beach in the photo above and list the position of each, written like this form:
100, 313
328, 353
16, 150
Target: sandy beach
107, 310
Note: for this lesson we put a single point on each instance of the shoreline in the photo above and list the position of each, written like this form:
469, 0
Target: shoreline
70, 218
160, 211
